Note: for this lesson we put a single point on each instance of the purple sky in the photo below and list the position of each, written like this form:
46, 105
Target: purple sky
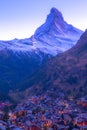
20, 18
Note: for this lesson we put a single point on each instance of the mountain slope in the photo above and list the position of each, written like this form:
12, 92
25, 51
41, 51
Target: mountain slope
66, 73
20, 58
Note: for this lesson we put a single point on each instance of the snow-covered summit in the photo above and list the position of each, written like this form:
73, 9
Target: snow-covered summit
45, 28
53, 37
56, 26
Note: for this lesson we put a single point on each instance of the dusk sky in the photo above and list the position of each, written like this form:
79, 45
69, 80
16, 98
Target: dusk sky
20, 18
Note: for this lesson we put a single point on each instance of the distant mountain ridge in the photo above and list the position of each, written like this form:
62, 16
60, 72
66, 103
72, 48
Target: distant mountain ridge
20, 58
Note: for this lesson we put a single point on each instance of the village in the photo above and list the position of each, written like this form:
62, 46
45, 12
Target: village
45, 113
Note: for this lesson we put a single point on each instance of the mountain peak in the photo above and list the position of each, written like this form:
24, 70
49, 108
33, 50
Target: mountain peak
55, 25
54, 17
57, 16
56, 12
